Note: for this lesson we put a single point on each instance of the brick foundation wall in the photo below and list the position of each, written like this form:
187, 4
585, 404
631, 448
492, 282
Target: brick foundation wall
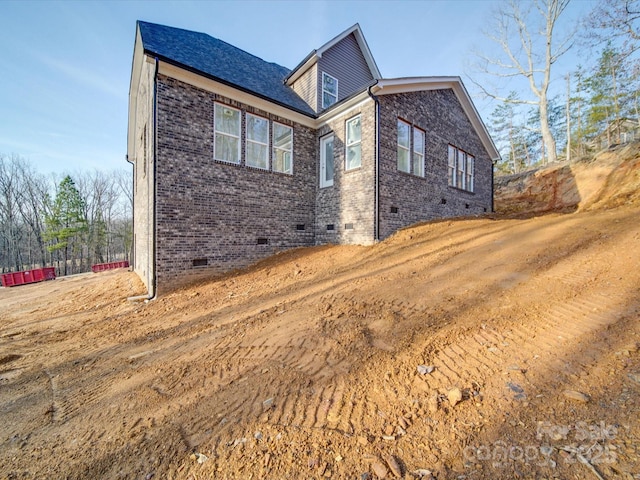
414, 198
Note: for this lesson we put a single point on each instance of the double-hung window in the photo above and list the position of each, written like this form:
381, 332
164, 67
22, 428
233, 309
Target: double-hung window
469, 172
353, 157
460, 169
451, 169
329, 90
227, 127
257, 142
404, 146
268, 144
418, 152
410, 149
282, 148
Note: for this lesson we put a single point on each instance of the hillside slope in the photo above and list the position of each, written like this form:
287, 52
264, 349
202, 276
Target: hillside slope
611, 179
306, 365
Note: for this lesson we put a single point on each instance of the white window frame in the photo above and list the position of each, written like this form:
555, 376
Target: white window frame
470, 172
461, 177
406, 149
281, 149
461, 169
350, 144
256, 142
324, 182
451, 165
324, 105
226, 134
419, 154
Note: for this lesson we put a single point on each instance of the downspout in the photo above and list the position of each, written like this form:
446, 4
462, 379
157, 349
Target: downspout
493, 169
376, 234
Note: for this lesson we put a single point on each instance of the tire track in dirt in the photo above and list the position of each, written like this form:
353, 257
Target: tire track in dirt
488, 353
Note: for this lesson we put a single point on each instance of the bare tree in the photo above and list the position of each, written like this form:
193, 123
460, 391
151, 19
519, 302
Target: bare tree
33, 193
525, 34
614, 20
10, 229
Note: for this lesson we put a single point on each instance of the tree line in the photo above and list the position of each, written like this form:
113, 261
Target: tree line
67, 221
594, 104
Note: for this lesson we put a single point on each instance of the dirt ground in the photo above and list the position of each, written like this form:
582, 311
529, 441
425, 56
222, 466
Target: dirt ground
494, 347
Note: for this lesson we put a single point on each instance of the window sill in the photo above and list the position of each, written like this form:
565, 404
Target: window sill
412, 175
461, 190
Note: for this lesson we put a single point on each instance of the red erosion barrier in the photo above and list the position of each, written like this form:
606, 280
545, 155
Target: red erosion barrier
13, 279
101, 267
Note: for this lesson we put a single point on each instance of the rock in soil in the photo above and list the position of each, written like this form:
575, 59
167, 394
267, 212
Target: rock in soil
379, 470
425, 369
454, 396
577, 396
394, 466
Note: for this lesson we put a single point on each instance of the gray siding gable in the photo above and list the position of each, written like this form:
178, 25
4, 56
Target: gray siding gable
344, 61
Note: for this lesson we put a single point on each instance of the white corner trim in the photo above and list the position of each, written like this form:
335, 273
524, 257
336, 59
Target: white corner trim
136, 71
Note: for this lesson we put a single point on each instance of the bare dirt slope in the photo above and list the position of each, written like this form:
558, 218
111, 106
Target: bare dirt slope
307, 365
609, 180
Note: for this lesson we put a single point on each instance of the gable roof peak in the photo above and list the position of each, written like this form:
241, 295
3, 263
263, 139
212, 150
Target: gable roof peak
313, 57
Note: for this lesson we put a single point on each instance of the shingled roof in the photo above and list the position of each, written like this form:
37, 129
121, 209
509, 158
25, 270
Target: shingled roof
220, 61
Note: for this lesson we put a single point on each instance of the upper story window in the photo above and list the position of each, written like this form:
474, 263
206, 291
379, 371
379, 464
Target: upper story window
257, 148
404, 146
418, 152
353, 157
226, 124
461, 167
282, 148
329, 90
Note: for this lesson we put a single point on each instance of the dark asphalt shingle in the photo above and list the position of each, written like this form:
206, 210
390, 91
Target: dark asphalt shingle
219, 60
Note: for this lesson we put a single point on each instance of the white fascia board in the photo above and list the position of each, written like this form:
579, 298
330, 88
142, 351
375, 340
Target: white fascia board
420, 84
368, 56
302, 69
344, 108
227, 91
362, 43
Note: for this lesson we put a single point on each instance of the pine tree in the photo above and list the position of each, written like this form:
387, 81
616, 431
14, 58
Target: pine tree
608, 87
503, 132
65, 222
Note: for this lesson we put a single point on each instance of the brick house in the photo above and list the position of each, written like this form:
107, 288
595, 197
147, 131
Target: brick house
236, 158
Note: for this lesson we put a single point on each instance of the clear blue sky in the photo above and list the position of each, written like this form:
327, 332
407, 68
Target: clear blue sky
65, 65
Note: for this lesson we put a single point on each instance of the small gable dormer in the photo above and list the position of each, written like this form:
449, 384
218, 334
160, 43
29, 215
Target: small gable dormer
341, 67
